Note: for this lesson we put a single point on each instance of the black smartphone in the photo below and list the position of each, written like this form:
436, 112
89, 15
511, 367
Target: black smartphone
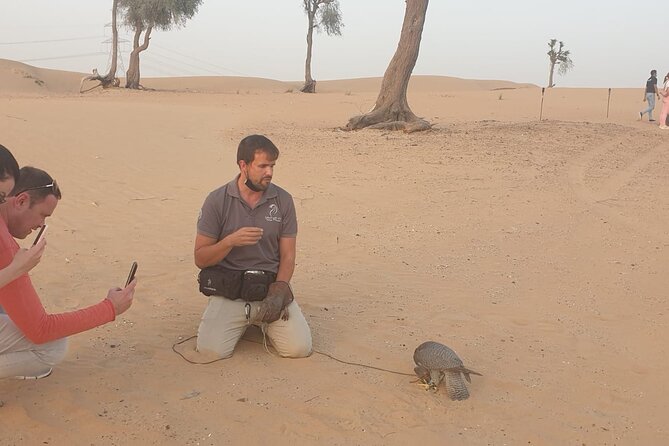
133, 270
40, 234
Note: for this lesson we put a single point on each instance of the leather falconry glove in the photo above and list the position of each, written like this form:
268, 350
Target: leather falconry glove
279, 296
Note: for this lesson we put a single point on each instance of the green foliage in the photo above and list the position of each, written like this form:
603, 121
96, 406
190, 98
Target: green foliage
559, 56
330, 19
158, 14
325, 15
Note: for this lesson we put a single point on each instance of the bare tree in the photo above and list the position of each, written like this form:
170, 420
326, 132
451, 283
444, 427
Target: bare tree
110, 78
322, 15
560, 57
142, 16
391, 110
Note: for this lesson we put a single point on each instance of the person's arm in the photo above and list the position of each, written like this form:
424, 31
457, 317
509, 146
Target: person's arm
24, 260
23, 306
209, 251
9, 274
286, 259
280, 294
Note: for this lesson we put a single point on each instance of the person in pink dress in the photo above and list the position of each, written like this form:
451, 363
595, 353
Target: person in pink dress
664, 92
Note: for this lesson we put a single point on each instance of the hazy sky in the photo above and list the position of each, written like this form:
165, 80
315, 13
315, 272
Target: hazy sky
481, 39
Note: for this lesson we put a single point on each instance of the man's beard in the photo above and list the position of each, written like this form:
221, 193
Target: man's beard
255, 187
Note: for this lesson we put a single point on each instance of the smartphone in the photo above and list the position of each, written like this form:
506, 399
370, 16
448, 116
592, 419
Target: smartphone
133, 270
40, 234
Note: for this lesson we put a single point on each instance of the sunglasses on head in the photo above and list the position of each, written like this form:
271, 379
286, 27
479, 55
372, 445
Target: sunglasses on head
53, 185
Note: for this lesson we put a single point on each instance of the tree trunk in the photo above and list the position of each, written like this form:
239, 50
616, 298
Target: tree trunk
110, 78
132, 76
309, 83
550, 75
392, 110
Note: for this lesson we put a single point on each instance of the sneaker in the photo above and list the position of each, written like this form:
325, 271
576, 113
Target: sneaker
43, 375
664, 127
651, 120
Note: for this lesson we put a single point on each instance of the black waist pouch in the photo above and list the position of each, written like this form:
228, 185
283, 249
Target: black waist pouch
248, 285
218, 281
255, 284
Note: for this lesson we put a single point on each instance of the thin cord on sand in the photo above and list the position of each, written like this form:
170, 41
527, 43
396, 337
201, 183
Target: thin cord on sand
264, 343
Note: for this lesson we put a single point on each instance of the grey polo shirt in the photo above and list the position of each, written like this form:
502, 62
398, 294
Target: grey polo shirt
224, 211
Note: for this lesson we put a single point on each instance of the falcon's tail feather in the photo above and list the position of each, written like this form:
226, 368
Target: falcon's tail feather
455, 386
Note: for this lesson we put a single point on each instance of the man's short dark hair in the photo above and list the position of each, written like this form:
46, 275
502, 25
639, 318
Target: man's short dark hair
36, 183
9, 168
653, 72
251, 144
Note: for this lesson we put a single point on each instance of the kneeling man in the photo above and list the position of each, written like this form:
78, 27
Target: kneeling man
245, 246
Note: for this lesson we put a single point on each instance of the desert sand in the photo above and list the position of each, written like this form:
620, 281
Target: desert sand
535, 249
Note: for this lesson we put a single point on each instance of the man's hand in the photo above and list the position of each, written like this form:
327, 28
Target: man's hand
279, 296
245, 236
27, 259
209, 251
122, 298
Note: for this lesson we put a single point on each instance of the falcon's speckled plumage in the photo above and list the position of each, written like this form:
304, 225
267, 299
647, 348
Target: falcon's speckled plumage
435, 361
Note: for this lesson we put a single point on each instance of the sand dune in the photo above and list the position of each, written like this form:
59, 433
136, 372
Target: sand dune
535, 249
418, 83
17, 78
21, 78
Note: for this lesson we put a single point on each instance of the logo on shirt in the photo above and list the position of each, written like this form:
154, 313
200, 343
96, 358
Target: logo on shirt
273, 214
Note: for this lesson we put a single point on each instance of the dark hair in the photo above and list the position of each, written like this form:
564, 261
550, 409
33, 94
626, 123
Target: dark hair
36, 183
8, 165
251, 144
653, 72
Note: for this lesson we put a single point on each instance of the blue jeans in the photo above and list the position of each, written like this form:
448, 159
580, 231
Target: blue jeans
650, 98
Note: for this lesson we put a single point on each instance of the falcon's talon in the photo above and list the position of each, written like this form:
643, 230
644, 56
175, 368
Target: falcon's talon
426, 385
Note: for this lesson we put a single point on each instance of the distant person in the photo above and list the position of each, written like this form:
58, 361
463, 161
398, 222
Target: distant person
25, 259
245, 246
649, 95
32, 341
665, 103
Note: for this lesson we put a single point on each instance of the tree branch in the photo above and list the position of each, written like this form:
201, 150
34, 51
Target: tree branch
147, 36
